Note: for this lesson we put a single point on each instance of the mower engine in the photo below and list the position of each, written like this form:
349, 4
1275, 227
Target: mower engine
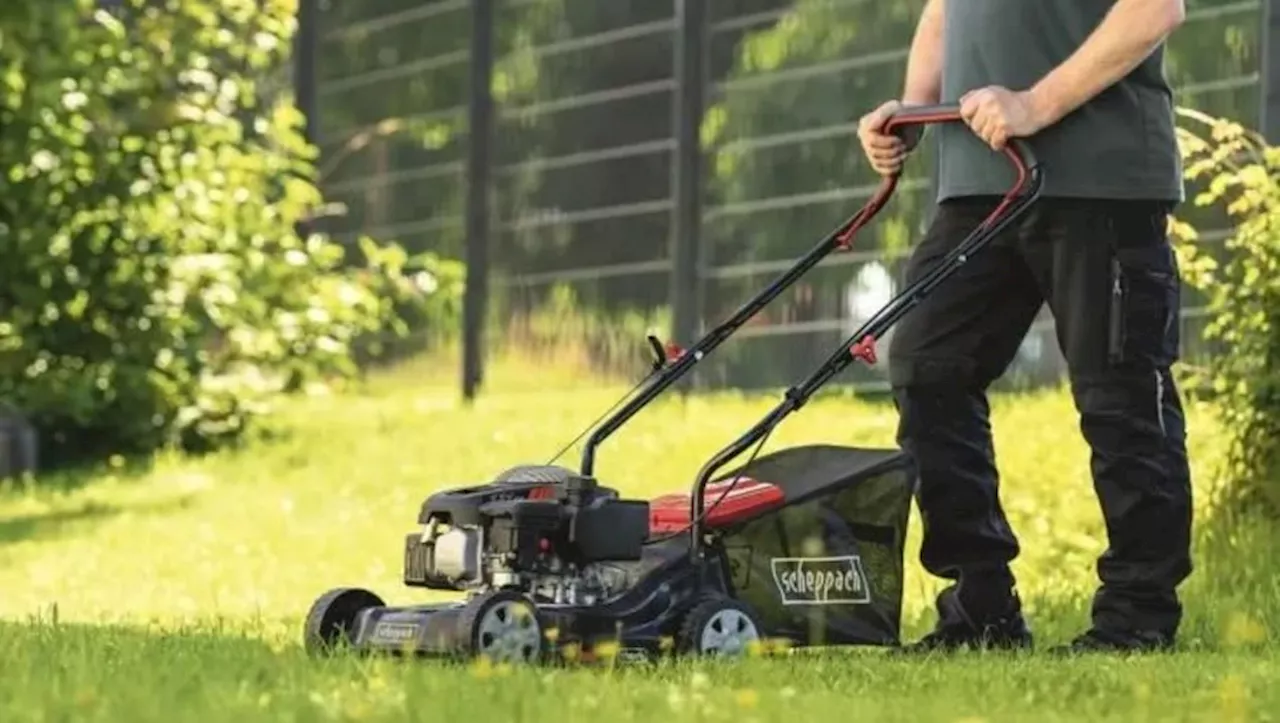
552, 541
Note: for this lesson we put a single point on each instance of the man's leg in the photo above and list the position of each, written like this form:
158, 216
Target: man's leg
943, 356
1112, 282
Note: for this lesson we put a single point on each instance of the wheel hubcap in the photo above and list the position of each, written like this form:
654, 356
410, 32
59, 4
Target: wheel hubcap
728, 632
508, 632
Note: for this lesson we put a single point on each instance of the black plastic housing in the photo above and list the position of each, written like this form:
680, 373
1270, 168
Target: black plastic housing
524, 529
575, 521
609, 529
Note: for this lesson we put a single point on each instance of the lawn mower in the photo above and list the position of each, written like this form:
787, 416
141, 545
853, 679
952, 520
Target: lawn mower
802, 547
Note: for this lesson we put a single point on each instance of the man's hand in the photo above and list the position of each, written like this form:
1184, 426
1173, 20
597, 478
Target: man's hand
1127, 35
997, 114
885, 151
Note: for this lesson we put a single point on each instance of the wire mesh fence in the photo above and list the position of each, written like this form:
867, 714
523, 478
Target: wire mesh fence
653, 162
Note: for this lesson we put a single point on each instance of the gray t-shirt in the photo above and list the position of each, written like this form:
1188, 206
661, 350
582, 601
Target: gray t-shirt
1120, 145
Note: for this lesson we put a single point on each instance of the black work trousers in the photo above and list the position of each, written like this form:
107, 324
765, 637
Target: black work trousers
1109, 276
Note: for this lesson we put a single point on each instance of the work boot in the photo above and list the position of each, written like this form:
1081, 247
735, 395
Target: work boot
976, 619
1097, 640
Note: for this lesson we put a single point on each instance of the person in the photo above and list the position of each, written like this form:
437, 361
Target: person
1083, 82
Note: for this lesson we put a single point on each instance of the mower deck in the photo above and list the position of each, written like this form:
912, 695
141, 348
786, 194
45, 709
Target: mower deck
504, 624
420, 629
444, 631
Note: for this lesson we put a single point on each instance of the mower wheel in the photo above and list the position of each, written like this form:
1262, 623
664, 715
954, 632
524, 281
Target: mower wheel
538, 473
719, 626
331, 621
502, 626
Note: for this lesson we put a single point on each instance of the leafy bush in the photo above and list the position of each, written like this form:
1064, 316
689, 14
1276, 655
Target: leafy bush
156, 287
425, 294
1240, 172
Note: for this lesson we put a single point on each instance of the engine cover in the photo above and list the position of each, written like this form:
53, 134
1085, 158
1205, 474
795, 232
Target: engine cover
462, 506
609, 529
603, 529
475, 535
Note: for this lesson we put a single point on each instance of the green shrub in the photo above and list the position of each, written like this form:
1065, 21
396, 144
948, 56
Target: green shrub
1238, 171
425, 295
155, 287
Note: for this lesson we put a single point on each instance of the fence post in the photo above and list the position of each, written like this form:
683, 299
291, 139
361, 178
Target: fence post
479, 142
305, 40
686, 176
1269, 93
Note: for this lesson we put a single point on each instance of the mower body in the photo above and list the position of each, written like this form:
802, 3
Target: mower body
803, 547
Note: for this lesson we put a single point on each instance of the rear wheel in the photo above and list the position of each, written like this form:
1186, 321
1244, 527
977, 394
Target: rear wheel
720, 627
331, 622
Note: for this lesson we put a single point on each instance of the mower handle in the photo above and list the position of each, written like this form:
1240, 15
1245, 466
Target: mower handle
861, 346
669, 367
912, 117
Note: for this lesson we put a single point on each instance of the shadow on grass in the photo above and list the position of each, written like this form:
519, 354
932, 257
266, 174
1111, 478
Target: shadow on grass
62, 475
53, 523
62, 478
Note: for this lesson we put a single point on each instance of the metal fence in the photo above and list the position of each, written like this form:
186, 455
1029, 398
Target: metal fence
604, 166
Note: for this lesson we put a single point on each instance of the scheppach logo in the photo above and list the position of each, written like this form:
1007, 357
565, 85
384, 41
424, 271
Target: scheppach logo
821, 580
389, 632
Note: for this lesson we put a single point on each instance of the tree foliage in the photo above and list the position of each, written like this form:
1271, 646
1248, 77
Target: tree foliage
155, 286
820, 67
1239, 172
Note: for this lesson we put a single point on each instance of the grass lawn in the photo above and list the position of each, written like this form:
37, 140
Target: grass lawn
174, 591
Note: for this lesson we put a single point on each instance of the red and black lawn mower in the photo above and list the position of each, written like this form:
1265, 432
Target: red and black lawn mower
804, 545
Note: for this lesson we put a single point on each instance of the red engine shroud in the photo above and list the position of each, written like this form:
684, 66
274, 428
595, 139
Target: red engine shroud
669, 514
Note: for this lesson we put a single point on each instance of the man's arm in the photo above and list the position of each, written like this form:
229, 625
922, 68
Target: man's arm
1131, 30
1127, 36
924, 60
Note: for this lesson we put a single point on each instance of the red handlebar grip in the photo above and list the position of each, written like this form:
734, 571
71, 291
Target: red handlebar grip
915, 115
918, 115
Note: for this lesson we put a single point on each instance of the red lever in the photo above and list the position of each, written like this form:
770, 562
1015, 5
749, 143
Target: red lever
865, 350
674, 351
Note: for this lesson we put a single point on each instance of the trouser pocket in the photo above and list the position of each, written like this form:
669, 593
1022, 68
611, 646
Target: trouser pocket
1143, 327
1115, 315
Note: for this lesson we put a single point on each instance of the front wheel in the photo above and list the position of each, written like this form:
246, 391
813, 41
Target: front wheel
503, 626
332, 619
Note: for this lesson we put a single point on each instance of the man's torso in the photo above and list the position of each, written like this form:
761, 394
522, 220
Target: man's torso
1120, 145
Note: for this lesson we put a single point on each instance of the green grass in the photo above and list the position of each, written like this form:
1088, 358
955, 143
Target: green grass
174, 591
